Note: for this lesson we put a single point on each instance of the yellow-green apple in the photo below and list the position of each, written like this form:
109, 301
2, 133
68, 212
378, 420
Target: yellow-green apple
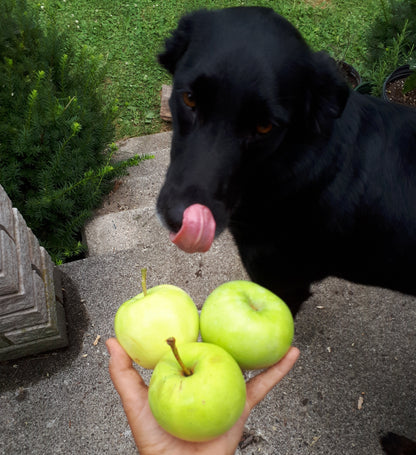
198, 394
250, 322
143, 323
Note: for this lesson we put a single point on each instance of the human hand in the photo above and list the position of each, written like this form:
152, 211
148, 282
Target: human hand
151, 439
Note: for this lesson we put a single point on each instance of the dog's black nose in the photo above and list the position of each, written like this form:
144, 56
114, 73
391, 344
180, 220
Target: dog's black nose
171, 217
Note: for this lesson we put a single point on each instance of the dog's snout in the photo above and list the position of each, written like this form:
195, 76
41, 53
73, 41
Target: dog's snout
170, 214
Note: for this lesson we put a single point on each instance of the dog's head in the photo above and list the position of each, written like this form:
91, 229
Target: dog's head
244, 81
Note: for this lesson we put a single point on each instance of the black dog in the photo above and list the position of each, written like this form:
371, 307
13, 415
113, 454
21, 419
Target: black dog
312, 178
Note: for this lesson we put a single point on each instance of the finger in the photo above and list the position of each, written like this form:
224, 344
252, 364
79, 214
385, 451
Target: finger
259, 386
127, 381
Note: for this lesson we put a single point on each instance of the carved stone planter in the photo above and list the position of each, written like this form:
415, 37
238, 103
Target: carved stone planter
32, 318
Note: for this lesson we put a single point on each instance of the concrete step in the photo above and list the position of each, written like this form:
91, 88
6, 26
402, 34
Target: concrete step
126, 215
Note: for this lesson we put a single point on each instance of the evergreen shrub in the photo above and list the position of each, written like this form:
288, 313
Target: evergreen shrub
56, 128
392, 36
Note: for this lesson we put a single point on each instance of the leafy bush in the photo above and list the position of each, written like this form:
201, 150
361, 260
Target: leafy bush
395, 17
391, 40
55, 128
410, 83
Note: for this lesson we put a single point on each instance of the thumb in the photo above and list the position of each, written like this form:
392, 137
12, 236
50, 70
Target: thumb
259, 386
127, 381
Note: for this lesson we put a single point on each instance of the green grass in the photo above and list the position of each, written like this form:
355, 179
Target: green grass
130, 34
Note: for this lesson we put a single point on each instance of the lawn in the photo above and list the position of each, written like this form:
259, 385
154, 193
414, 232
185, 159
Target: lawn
129, 34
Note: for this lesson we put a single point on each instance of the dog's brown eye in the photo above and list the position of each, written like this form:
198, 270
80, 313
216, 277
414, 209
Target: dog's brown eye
188, 99
264, 129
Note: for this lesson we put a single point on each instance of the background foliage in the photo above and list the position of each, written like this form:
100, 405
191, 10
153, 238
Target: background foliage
392, 40
55, 128
75, 74
130, 33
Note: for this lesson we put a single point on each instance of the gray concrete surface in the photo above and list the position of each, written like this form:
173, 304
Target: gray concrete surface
357, 345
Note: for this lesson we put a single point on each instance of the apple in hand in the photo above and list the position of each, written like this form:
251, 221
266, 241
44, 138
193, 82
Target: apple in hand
197, 394
250, 322
143, 323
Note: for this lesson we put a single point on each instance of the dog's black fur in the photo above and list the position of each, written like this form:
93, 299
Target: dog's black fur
329, 190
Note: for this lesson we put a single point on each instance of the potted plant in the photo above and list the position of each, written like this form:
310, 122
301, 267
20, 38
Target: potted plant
400, 86
350, 74
392, 51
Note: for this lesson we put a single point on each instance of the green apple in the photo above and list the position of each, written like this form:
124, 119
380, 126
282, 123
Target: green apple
198, 395
250, 322
143, 323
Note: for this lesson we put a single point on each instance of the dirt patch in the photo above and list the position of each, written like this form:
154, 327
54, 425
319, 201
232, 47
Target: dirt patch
394, 92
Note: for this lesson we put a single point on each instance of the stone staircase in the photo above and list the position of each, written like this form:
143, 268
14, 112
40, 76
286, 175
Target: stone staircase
32, 319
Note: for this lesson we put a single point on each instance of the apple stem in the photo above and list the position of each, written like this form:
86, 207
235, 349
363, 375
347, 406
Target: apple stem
172, 343
144, 275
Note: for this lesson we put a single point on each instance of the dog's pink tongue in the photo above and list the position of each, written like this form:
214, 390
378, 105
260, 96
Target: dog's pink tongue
198, 230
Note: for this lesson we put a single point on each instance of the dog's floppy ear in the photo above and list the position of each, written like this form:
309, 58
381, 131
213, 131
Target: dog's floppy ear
176, 45
328, 94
